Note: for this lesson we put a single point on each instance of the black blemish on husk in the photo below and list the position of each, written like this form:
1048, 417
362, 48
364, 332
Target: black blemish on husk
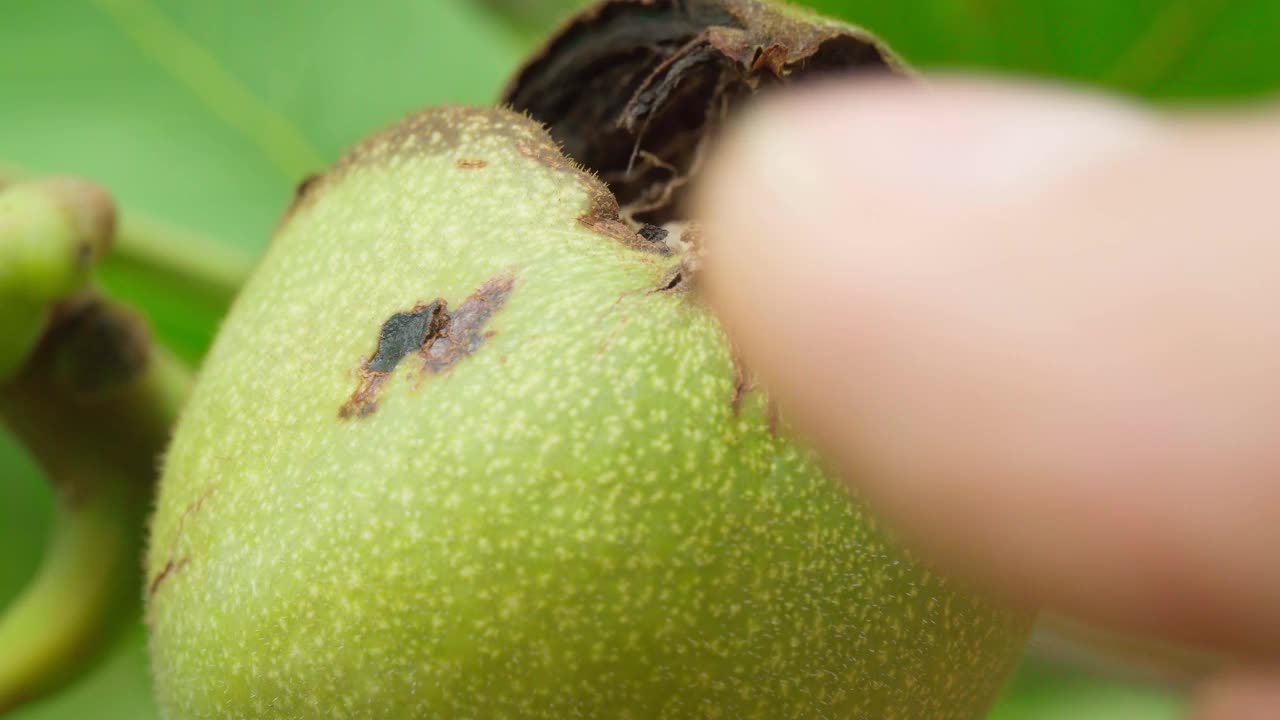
437, 337
654, 234
672, 282
401, 334
404, 333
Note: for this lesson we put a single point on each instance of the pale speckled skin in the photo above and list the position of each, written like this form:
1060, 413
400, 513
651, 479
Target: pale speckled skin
570, 523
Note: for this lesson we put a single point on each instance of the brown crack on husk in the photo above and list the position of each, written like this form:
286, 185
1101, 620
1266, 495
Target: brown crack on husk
171, 568
744, 383
634, 89
604, 216
687, 244
472, 164
438, 337
175, 564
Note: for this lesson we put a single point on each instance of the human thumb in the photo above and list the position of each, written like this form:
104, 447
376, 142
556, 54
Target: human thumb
1037, 330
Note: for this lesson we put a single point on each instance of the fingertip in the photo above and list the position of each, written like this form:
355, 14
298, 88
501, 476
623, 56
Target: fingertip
1242, 695
834, 212
957, 294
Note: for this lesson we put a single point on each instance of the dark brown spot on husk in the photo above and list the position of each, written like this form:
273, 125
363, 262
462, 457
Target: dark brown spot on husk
404, 333
466, 332
438, 337
364, 401
633, 89
301, 195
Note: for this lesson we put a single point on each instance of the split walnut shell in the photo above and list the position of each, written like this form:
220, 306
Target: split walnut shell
464, 449
635, 89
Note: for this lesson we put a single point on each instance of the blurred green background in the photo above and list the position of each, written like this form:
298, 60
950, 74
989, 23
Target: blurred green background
202, 116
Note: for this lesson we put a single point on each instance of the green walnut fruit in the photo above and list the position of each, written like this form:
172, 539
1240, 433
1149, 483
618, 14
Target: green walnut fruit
468, 446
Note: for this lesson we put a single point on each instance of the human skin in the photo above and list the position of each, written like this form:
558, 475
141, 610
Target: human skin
1052, 341
544, 493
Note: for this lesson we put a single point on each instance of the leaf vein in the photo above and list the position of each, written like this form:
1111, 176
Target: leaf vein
194, 67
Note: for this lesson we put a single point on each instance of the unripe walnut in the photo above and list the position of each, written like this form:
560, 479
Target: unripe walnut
469, 446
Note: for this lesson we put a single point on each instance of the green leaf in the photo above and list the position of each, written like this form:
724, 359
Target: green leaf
1040, 692
1167, 49
207, 115
533, 18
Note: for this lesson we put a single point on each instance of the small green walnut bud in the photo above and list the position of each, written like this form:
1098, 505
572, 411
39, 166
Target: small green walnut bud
469, 446
52, 233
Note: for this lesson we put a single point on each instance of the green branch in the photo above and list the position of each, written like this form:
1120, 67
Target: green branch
94, 404
87, 391
200, 264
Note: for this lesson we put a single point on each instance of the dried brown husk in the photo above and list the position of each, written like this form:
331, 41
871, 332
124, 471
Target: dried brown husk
635, 89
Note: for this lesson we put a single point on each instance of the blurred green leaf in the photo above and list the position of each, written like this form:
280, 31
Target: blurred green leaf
207, 115
533, 18
1164, 49
1040, 692
1169, 49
